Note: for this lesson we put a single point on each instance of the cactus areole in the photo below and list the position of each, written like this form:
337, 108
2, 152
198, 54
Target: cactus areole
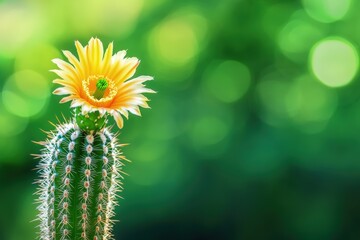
81, 161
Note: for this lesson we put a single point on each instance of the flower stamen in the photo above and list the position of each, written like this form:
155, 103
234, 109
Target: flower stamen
101, 86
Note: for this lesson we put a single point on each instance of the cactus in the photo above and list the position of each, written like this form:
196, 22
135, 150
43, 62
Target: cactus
80, 172
81, 162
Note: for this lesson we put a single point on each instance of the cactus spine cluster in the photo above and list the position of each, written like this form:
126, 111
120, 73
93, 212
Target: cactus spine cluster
80, 173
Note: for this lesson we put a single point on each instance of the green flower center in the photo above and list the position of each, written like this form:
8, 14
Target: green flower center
101, 86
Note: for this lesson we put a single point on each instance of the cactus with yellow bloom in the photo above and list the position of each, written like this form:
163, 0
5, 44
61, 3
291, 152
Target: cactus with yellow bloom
81, 161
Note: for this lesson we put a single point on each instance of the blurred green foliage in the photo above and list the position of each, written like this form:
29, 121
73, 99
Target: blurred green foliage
253, 133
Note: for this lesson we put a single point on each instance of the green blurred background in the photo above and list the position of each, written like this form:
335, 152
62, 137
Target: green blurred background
254, 132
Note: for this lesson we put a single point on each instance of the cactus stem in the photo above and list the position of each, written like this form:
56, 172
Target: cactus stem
78, 185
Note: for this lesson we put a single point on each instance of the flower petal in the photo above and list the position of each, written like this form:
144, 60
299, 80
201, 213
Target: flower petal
62, 91
123, 112
82, 57
65, 67
64, 75
76, 103
118, 119
126, 71
135, 110
105, 65
95, 53
75, 62
134, 83
67, 83
66, 99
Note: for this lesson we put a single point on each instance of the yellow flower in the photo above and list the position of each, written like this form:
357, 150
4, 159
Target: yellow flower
98, 81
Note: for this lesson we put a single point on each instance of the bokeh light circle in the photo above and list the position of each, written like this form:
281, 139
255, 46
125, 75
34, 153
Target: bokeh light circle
228, 81
209, 130
174, 41
174, 44
302, 102
44, 53
26, 93
327, 11
100, 18
152, 163
210, 126
309, 101
18, 26
298, 35
11, 125
334, 61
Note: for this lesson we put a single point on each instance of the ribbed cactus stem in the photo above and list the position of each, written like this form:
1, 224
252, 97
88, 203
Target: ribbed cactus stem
80, 173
